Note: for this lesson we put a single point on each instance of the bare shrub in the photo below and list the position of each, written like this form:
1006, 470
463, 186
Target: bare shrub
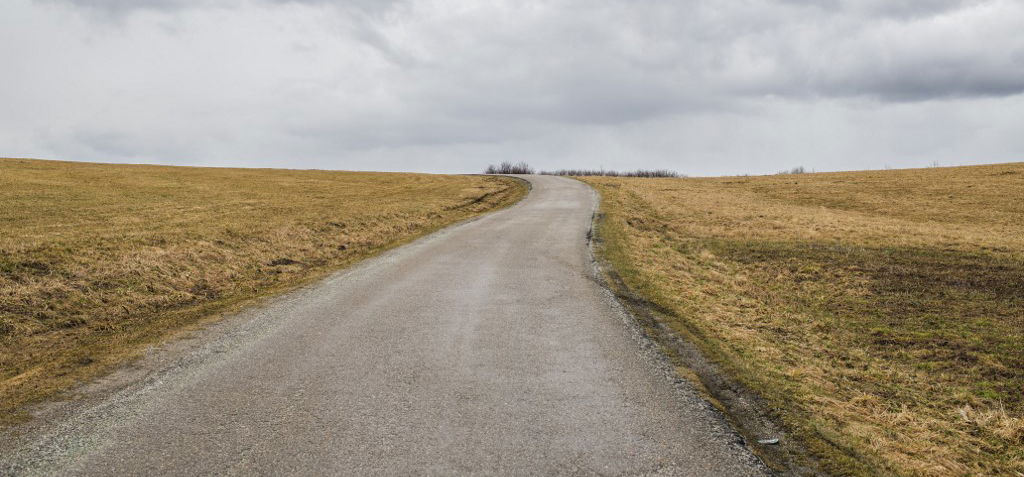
795, 170
507, 167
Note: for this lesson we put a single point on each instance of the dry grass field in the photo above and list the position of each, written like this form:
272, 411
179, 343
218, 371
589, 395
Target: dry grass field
97, 261
880, 313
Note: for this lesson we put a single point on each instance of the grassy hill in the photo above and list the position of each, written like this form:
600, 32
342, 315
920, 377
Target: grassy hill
97, 260
880, 314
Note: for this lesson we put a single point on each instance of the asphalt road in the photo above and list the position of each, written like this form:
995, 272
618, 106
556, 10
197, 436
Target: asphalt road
487, 348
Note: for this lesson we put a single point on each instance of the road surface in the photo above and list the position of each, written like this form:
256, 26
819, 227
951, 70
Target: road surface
487, 348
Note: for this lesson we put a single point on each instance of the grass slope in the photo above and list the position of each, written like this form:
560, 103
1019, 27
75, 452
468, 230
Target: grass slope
880, 313
97, 261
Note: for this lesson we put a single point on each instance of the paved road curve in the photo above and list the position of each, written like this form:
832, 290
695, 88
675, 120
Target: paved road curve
485, 348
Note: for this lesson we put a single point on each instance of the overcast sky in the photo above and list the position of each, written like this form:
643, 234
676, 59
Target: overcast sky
700, 86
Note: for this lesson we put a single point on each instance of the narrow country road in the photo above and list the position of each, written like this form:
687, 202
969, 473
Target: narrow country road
487, 348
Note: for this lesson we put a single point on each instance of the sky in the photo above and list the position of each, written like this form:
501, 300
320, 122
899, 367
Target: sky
703, 87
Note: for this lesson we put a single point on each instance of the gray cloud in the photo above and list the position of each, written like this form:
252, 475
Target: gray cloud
448, 85
119, 8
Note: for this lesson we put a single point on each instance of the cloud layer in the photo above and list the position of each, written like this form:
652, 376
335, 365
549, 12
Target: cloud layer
705, 87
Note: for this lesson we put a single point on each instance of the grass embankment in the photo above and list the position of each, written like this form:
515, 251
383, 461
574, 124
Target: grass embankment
880, 313
97, 261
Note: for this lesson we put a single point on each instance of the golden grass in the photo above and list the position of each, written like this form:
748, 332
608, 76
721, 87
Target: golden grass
97, 261
881, 313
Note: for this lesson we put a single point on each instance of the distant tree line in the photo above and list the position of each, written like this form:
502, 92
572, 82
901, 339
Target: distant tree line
524, 168
602, 172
